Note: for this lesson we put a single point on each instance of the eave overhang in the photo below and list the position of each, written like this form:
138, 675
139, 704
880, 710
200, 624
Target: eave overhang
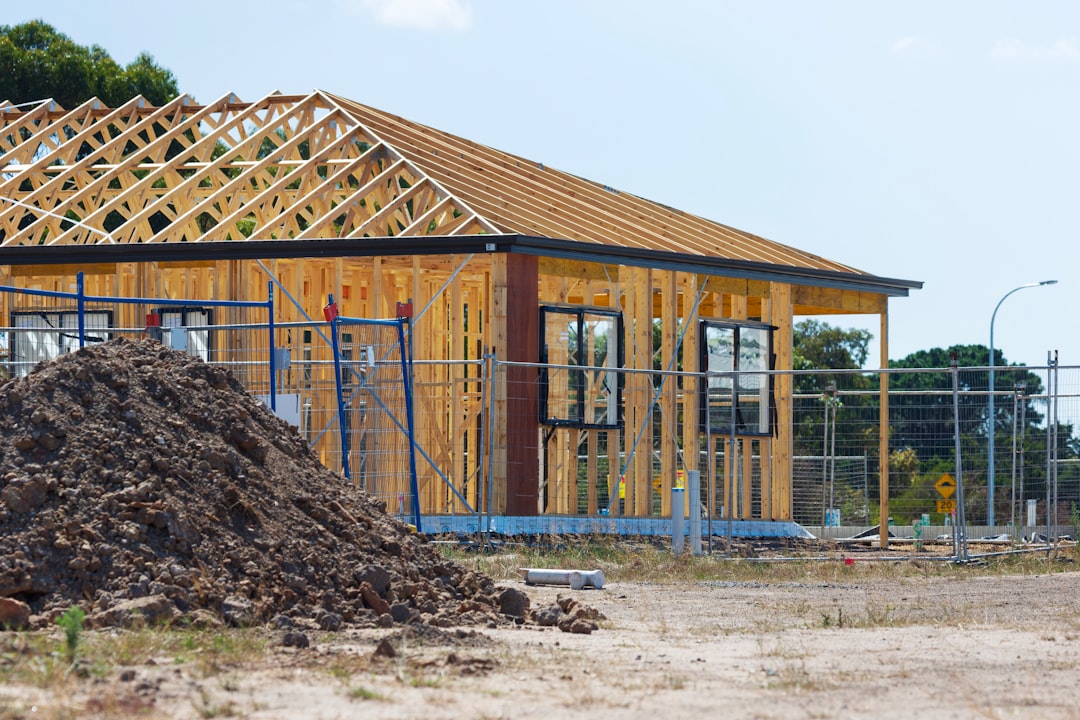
252, 249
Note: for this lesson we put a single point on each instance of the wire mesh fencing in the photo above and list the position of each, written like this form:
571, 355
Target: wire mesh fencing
604, 442
44, 325
936, 420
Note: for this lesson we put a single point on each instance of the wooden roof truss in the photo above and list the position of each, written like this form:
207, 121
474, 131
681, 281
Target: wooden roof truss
321, 167
286, 167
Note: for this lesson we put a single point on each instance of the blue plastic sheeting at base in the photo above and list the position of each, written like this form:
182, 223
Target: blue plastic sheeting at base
569, 525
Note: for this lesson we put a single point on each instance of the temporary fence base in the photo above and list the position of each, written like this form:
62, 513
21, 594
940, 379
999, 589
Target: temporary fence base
570, 525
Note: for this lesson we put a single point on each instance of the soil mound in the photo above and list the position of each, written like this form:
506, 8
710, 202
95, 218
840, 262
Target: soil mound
142, 484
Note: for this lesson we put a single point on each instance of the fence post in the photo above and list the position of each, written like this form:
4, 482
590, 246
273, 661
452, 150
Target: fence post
693, 492
677, 510
273, 364
489, 427
81, 303
406, 371
330, 312
960, 528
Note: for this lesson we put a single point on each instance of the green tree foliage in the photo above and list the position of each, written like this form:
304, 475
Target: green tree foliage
38, 62
823, 347
922, 442
928, 416
818, 345
922, 421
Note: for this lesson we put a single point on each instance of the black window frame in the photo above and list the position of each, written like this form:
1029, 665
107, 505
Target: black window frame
720, 423
578, 377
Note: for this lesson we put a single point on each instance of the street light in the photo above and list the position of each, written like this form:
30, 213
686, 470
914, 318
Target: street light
990, 444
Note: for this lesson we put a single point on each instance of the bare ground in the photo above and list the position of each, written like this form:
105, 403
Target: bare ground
998, 646
144, 487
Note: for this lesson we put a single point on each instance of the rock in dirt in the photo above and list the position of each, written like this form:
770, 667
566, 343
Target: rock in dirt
14, 614
152, 610
141, 482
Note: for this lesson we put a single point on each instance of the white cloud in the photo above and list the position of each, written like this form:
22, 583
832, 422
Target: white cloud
452, 15
913, 44
1016, 49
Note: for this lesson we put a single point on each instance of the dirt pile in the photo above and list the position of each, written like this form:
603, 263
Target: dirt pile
139, 482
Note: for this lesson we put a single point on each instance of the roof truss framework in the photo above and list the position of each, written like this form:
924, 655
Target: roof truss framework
320, 167
286, 167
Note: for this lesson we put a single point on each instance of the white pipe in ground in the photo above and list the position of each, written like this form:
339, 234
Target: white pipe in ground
576, 579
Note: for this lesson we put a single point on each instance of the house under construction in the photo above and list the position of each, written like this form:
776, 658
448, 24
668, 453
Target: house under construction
499, 256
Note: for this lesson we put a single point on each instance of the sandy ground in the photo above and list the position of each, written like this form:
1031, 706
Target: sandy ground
979, 647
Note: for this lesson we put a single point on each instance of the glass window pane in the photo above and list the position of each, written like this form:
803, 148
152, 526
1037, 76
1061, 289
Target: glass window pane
589, 340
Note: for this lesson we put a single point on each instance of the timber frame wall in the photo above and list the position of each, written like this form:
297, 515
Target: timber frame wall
508, 289
326, 196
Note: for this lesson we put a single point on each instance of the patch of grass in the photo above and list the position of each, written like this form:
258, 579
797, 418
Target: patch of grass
210, 652
642, 561
359, 692
421, 681
32, 659
418, 675
207, 708
227, 649
779, 649
339, 673
793, 677
72, 623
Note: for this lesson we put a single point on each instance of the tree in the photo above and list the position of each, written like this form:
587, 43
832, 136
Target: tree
38, 62
922, 419
930, 413
820, 346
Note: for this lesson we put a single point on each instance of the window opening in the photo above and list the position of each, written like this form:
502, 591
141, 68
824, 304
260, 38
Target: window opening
743, 353
198, 341
586, 392
46, 335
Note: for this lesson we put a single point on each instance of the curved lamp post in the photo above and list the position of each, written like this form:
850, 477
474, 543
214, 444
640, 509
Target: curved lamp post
990, 433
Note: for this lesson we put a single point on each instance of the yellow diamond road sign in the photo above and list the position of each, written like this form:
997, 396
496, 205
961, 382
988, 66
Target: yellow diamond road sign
946, 486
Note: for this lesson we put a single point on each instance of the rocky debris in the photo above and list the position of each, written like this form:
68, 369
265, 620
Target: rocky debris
149, 487
397, 644
14, 614
295, 639
151, 610
570, 616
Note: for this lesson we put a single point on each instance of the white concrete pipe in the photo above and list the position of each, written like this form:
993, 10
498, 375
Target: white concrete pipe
576, 579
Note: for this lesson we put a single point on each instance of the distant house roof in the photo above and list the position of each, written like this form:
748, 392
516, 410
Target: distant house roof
319, 174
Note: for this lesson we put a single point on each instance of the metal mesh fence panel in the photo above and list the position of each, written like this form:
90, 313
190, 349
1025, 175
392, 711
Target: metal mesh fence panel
372, 406
524, 463
831, 490
235, 336
374, 411
449, 425
835, 451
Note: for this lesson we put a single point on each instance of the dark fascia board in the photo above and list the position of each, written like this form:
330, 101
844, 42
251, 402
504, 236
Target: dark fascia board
716, 266
452, 245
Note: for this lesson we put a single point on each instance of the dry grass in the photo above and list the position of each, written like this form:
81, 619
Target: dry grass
626, 561
803, 592
39, 660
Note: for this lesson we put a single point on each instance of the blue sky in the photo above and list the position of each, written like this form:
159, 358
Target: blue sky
932, 141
